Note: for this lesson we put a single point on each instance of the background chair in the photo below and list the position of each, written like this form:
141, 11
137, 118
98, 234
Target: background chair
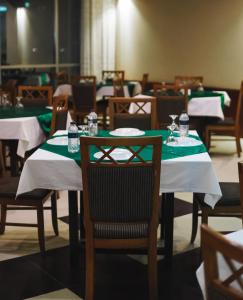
121, 202
118, 87
11, 88
59, 114
169, 105
228, 126
29, 201
35, 95
231, 253
133, 112
144, 82
84, 97
230, 205
113, 74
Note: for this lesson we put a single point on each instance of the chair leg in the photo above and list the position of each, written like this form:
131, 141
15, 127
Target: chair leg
54, 212
238, 145
207, 138
89, 276
195, 209
152, 271
162, 217
40, 223
3, 218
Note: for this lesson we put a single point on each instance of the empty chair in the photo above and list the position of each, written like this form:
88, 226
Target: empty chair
223, 270
144, 82
113, 74
121, 201
35, 95
59, 114
118, 87
169, 105
84, 97
228, 126
132, 112
230, 205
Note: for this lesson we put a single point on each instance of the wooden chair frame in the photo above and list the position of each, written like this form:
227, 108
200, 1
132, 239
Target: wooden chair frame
44, 92
118, 87
144, 82
151, 241
60, 104
220, 211
79, 115
122, 104
213, 243
231, 130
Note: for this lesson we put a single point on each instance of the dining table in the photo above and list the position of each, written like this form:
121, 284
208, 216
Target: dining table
25, 128
103, 88
183, 169
200, 103
224, 270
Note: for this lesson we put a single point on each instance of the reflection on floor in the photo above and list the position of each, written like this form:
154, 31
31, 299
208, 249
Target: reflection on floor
25, 275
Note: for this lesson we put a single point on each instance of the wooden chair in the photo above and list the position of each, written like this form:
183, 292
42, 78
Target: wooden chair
170, 104
144, 82
28, 201
142, 116
230, 205
118, 87
192, 82
61, 78
84, 97
228, 126
11, 88
113, 74
59, 114
121, 202
36, 95
213, 245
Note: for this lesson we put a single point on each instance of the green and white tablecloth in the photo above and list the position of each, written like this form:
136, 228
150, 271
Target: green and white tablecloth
168, 152
191, 173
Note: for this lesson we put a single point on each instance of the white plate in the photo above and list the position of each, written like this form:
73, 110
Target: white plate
116, 154
58, 141
184, 142
127, 132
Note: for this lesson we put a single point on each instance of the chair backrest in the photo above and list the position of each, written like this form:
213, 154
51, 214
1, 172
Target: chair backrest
84, 94
118, 88
2, 166
59, 114
120, 191
113, 74
213, 245
35, 95
132, 112
11, 88
169, 105
144, 82
192, 82
239, 107
240, 169
62, 78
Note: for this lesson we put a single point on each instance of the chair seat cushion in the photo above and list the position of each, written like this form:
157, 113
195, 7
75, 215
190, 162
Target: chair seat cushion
9, 186
230, 192
120, 231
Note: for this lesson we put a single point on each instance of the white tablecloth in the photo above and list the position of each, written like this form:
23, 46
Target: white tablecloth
193, 173
106, 90
26, 130
206, 106
224, 270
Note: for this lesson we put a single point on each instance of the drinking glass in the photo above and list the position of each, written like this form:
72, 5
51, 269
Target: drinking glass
5, 100
18, 103
84, 129
172, 127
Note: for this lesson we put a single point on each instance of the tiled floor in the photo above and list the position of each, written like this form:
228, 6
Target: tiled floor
24, 274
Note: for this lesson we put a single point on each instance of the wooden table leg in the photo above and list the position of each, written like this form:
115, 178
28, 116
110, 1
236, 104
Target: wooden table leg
73, 225
168, 226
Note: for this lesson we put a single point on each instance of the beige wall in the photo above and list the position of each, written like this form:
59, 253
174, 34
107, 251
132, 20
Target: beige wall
175, 37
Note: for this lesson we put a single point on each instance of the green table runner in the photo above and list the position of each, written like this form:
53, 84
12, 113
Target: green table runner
43, 115
203, 94
167, 151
